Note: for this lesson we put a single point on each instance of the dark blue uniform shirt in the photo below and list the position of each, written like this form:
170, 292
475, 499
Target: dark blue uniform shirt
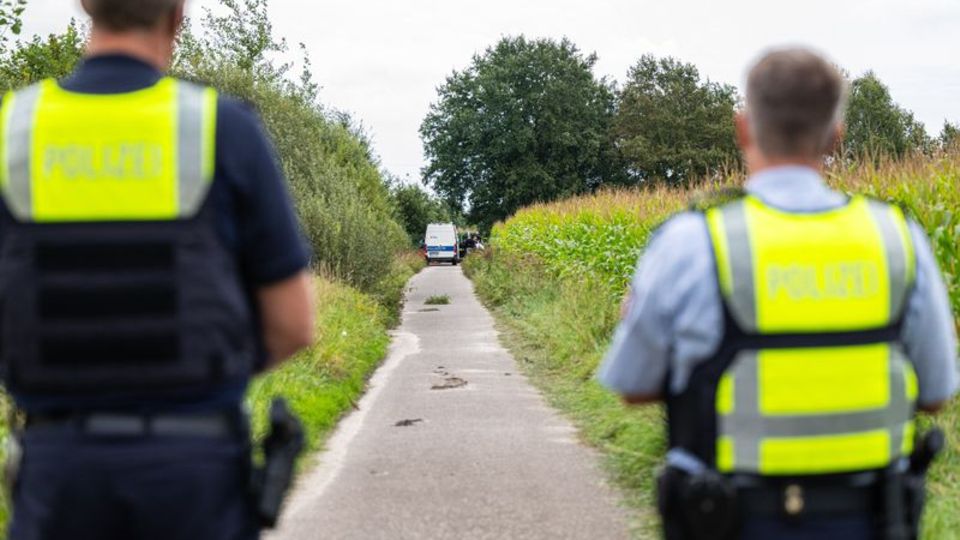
257, 220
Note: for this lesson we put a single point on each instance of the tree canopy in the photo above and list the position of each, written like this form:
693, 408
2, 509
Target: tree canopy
527, 121
11, 19
54, 56
877, 125
416, 208
672, 125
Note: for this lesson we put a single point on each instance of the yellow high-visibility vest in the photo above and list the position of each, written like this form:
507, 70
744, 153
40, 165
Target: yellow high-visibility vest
146, 155
820, 383
114, 275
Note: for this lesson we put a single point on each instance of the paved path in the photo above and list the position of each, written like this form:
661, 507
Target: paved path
484, 460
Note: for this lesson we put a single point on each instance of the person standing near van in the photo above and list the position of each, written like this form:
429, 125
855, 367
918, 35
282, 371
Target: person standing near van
150, 264
792, 333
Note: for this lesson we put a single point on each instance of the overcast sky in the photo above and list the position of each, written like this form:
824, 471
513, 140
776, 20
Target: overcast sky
382, 60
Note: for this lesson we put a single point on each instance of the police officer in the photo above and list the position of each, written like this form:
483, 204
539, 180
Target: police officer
792, 333
150, 263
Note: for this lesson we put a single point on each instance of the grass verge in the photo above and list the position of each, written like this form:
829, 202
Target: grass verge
557, 331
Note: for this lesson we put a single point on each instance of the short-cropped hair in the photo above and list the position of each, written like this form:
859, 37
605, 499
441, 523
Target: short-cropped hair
795, 101
121, 15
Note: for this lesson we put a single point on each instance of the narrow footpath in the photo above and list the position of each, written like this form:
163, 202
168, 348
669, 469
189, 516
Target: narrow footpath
451, 441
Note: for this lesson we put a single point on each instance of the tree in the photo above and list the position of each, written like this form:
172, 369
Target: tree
11, 19
950, 136
416, 208
526, 122
673, 126
41, 58
877, 126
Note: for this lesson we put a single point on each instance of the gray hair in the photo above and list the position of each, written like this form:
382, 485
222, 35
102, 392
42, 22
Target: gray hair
795, 101
121, 15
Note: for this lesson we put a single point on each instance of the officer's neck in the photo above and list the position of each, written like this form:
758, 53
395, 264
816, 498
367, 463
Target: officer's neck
758, 163
149, 46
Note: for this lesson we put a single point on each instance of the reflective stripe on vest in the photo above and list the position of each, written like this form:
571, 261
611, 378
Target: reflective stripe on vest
140, 156
814, 409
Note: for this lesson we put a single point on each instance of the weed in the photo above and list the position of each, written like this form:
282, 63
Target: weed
438, 300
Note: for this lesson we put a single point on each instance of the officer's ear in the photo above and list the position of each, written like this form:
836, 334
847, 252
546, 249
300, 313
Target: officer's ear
836, 138
744, 136
176, 19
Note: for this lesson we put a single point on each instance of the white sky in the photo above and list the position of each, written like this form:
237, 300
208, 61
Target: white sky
382, 60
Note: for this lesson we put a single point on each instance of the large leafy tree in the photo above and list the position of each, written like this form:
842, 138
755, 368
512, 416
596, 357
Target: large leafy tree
526, 122
877, 126
416, 208
672, 125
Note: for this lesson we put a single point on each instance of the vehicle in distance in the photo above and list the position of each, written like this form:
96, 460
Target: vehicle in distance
441, 243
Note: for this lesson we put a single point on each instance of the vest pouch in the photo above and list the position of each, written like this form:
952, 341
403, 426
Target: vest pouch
133, 308
18, 334
220, 332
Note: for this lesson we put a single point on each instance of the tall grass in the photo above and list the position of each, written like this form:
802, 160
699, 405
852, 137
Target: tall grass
324, 381
555, 274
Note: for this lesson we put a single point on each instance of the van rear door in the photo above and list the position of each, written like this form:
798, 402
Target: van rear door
441, 242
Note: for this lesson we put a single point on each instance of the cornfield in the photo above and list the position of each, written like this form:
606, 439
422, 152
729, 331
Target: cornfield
600, 236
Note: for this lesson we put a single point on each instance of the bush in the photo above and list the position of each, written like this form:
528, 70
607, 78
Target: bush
341, 197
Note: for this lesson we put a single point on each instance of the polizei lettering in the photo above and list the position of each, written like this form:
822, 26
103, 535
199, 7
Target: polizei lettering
845, 280
125, 161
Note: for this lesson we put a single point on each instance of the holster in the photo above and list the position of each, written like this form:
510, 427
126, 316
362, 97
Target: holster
915, 499
699, 506
710, 506
911, 485
282, 446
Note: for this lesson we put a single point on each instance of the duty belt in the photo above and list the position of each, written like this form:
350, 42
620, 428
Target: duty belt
214, 426
797, 500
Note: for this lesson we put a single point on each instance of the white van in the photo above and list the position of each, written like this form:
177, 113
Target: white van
441, 243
